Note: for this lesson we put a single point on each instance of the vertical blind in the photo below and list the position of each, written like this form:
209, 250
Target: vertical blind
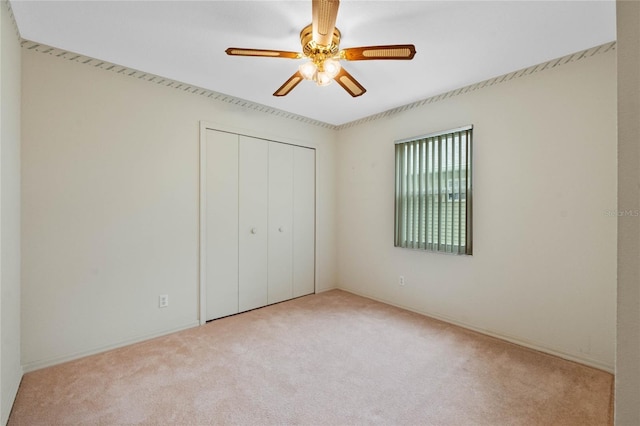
433, 192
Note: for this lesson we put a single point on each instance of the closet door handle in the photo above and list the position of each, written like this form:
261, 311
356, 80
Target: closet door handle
281, 229
254, 230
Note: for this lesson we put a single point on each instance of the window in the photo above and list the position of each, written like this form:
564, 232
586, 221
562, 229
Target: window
433, 192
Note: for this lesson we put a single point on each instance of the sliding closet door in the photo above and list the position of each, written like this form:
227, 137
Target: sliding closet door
304, 208
221, 224
280, 222
253, 231
258, 211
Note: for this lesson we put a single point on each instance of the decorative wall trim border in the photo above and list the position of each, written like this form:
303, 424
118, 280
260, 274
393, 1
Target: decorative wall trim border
156, 79
603, 48
7, 4
228, 99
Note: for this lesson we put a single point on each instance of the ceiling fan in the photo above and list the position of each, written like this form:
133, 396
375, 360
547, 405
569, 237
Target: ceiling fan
320, 44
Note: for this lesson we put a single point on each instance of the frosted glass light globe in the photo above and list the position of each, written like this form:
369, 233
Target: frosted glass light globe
323, 79
308, 70
332, 67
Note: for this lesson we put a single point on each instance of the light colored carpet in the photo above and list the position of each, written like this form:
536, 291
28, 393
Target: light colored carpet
332, 358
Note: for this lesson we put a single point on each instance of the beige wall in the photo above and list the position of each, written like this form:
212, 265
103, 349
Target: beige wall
543, 272
110, 205
627, 411
10, 368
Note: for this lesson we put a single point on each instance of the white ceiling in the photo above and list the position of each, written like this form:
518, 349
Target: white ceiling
458, 43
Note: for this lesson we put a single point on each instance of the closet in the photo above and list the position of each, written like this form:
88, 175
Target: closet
259, 222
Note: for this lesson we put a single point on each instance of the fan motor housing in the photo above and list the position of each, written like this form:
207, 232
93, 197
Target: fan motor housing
311, 49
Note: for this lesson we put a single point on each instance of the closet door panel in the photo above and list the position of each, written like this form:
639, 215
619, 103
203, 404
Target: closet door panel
304, 209
280, 222
221, 224
253, 231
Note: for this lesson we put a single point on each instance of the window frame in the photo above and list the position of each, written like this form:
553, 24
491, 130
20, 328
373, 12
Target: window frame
422, 238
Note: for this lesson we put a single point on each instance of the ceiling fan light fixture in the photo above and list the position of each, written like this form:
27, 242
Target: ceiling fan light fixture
308, 70
320, 43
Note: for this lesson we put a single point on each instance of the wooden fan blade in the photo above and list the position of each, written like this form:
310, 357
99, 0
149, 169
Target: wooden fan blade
392, 51
349, 83
324, 14
289, 84
235, 51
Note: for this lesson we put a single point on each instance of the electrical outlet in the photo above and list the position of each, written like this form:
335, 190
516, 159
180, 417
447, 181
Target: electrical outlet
163, 300
401, 281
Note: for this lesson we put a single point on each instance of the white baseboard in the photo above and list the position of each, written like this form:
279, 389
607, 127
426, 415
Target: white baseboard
323, 290
511, 339
9, 397
37, 365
